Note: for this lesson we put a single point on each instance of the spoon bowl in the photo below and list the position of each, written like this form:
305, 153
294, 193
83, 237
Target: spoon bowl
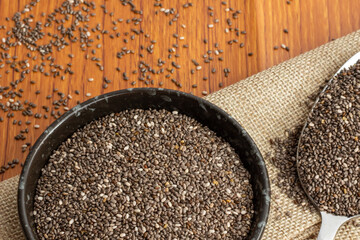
330, 223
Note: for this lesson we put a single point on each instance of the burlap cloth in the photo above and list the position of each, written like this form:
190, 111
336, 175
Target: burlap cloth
265, 104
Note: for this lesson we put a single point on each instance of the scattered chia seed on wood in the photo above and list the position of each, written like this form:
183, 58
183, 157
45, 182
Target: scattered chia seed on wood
78, 15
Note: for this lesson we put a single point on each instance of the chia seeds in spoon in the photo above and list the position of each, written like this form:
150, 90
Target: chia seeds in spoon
329, 160
144, 174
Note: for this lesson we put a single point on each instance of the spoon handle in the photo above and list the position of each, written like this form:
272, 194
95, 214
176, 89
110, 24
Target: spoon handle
330, 224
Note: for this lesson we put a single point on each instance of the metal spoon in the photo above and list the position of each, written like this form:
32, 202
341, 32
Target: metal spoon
330, 223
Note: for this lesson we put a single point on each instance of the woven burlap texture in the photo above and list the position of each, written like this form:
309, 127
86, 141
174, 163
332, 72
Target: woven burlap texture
265, 104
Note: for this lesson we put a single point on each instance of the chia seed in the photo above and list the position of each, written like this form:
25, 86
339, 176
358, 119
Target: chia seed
328, 161
127, 176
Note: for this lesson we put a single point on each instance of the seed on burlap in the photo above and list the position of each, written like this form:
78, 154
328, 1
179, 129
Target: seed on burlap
283, 157
141, 174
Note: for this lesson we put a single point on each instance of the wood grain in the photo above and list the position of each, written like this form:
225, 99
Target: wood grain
310, 24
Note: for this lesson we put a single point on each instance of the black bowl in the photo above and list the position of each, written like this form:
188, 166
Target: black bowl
145, 98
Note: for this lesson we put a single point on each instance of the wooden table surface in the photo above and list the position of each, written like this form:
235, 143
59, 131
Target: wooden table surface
309, 24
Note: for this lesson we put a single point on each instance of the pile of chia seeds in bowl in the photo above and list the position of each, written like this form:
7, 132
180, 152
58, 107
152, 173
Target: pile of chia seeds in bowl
329, 159
144, 174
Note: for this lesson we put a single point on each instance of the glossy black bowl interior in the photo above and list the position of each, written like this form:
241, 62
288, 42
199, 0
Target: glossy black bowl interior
145, 98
